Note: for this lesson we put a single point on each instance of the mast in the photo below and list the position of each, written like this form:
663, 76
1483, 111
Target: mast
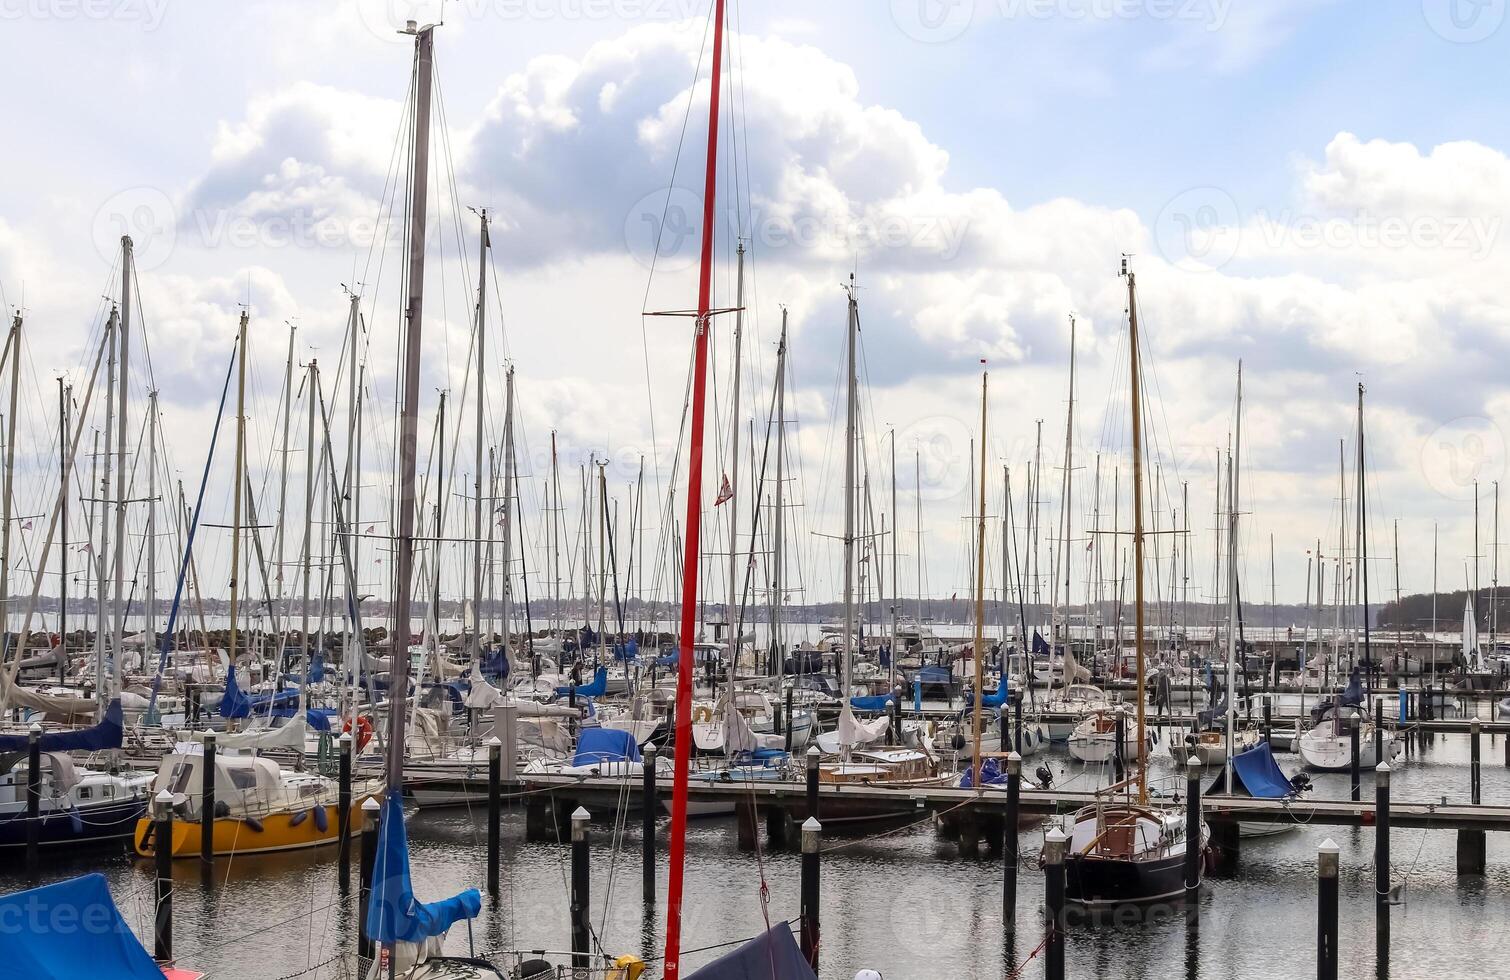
508, 491
1066, 506
124, 341
739, 302
424, 57
778, 578
1234, 463
1137, 461
309, 508
482, 285
12, 344
288, 413
555, 538
980, 596
151, 617
677, 849
851, 409
896, 583
353, 469
101, 643
1368, 656
64, 394
239, 483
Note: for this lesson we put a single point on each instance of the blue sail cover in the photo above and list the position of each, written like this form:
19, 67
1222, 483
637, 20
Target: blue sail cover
596, 689
1040, 645
1353, 693
870, 702
393, 913
628, 652
597, 745
106, 735
234, 704
68, 930
1260, 775
770, 956
994, 699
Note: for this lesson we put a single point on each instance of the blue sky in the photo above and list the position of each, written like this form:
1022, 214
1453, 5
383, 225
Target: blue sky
1286, 133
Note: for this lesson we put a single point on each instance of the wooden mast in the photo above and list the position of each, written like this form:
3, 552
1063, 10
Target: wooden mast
677, 848
1137, 462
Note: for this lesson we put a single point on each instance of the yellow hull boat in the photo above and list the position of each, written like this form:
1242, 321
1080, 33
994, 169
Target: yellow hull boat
313, 827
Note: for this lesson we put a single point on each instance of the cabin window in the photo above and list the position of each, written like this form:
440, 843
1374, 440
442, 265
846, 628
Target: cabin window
243, 778
84, 792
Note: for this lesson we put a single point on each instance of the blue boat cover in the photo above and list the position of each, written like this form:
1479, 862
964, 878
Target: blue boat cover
626, 652
1260, 775
596, 745
1040, 645
1353, 693
990, 775
234, 704
993, 699
105, 735
771, 956
933, 674
596, 689
67, 930
873, 702
393, 913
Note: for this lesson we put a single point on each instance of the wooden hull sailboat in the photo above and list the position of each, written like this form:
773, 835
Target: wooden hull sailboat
1126, 854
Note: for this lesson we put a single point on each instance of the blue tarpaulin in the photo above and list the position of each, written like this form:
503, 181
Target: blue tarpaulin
105, 735
234, 704
596, 745
596, 689
770, 956
626, 652
993, 699
393, 913
1040, 645
1260, 775
69, 930
990, 775
871, 702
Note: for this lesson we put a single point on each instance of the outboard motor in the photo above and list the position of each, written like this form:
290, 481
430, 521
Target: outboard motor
1045, 777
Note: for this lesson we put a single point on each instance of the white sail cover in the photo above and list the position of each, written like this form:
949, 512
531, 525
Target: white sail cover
262, 736
1073, 672
480, 694
853, 732
1471, 654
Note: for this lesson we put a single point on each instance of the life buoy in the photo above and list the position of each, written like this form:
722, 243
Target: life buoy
364, 731
702, 715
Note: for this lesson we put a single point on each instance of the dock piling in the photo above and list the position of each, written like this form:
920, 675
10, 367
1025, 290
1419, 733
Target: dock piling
812, 782
371, 817
649, 807
162, 847
1017, 723
207, 800
1009, 844
1475, 784
1327, 866
33, 796
1381, 867
343, 808
581, 883
1353, 725
812, 836
495, 807
1378, 730
1054, 844
787, 731
1193, 833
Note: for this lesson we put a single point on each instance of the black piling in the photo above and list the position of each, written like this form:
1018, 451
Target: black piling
1327, 862
162, 926
649, 810
1009, 844
207, 801
895, 704
495, 810
893, 727
1017, 723
1475, 773
812, 837
33, 796
1118, 768
1268, 718
343, 810
788, 730
1381, 868
1353, 763
371, 818
1378, 731
812, 782
1193, 835
1054, 844
581, 896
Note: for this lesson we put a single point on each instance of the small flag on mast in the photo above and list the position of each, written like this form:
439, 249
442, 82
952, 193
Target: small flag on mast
725, 492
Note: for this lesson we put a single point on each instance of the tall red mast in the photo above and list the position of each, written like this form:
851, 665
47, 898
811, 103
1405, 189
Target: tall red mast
694, 510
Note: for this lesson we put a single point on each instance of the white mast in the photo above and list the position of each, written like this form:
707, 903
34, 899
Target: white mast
482, 285
127, 274
778, 571
508, 496
739, 316
851, 409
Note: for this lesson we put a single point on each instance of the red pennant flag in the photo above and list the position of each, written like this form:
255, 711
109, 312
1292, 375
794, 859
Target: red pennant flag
725, 492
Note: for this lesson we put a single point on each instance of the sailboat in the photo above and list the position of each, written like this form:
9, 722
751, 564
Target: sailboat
1131, 850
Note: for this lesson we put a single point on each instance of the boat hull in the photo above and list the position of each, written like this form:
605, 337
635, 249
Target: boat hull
1096, 882
101, 824
275, 832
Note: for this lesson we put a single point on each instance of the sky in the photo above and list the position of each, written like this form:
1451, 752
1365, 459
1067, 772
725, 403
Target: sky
1315, 188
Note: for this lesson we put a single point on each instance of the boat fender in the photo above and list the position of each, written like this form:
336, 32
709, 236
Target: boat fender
322, 822
298, 818
222, 809
958, 742
702, 715
75, 822
253, 824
